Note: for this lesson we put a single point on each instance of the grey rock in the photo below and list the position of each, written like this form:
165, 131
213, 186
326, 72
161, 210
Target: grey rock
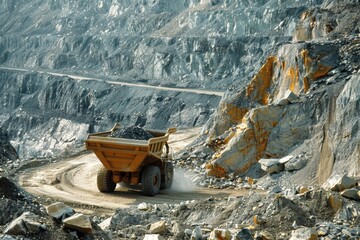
188, 232
185, 155
271, 165
32, 225
243, 234
26, 223
6, 237
196, 234
276, 189
352, 193
296, 163
16, 227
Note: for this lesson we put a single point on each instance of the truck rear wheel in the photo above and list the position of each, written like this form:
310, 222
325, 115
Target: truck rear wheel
168, 177
151, 180
104, 180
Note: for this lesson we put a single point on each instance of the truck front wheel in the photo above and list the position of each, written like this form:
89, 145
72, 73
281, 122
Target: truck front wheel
151, 180
104, 180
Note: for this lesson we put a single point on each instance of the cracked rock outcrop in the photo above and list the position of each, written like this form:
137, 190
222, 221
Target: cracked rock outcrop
322, 120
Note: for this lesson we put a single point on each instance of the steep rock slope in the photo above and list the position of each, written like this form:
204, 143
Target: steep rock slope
7, 151
303, 101
45, 114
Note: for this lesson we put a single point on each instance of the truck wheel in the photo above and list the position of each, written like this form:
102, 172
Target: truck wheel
104, 180
168, 177
151, 180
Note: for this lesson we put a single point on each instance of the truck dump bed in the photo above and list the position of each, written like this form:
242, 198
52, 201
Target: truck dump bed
126, 155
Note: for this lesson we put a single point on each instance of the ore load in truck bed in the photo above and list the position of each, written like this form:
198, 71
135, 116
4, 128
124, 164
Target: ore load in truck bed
131, 132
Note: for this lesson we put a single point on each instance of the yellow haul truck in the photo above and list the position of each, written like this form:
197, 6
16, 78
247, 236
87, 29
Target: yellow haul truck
133, 161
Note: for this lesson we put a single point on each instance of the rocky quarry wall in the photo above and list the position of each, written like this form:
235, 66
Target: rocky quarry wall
183, 43
304, 101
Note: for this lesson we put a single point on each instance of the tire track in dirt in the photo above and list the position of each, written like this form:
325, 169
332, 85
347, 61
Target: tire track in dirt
73, 181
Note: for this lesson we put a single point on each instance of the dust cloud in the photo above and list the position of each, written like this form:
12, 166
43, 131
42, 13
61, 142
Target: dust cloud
182, 182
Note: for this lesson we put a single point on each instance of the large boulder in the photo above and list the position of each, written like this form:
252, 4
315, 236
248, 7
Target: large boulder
271, 165
26, 223
339, 183
295, 163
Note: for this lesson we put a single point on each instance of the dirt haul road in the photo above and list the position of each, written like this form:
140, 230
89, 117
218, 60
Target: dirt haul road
73, 181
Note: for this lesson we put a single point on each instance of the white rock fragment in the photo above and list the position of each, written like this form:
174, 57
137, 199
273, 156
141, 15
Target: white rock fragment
285, 159
143, 206
78, 222
104, 225
158, 227
304, 233
289, 97
153, 237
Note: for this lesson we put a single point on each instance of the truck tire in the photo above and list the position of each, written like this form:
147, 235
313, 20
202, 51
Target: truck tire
151, 180
104, 180
168, 177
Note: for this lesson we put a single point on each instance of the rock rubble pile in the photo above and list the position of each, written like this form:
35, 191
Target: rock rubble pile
305, 213
23, 217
